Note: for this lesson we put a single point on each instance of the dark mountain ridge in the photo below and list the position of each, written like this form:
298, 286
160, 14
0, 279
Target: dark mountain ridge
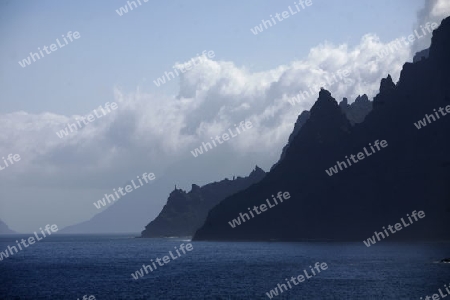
355, 113
185, 212
411, 173
358, 110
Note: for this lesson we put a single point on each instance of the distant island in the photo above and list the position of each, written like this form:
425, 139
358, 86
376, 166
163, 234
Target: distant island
4, 229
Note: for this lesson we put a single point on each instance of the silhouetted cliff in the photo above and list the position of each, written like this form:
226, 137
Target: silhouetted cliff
358, 110
421, 55
301, 120
411, 173
185, 212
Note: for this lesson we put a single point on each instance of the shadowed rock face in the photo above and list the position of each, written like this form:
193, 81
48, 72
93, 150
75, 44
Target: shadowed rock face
355, 113
4, 229
301, 120
358, 110
421, 55
185, 212
411, 173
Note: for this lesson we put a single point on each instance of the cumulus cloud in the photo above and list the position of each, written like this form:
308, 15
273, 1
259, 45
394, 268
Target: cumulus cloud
212, 97
154, 132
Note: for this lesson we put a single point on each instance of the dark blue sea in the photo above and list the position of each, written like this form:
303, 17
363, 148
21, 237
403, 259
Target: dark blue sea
69, 267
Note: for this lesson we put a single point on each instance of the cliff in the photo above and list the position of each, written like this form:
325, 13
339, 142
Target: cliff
185, 212
412, 173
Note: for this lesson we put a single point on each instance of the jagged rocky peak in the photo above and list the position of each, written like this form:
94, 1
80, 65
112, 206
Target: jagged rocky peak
387, 84
358, 110
421, 55
326, 114
176, 194
387, 87
326, 123
195, 188
257, 171
324, 105
325, 109
367, 193
440, 45
344, 103
362, 99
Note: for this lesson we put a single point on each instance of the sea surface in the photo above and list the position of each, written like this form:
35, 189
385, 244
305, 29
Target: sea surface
70, 266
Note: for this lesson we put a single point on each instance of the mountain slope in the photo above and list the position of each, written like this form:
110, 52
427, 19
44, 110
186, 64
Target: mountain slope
411, 173
185, 212
358, 110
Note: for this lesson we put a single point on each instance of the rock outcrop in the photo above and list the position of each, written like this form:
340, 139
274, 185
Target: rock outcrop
185, 212
412, 173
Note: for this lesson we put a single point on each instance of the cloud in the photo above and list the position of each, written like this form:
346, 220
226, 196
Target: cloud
152, 133
212, 97
433, 11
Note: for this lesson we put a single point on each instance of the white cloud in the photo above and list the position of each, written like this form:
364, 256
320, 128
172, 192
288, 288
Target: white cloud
441, 9
433, 11
148, 131
212, 97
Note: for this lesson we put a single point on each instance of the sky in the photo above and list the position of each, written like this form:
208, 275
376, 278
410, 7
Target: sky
118, 58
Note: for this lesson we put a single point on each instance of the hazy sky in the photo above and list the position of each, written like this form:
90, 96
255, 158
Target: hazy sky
117, 58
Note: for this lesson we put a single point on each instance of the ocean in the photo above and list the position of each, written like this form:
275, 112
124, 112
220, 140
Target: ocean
71, 266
